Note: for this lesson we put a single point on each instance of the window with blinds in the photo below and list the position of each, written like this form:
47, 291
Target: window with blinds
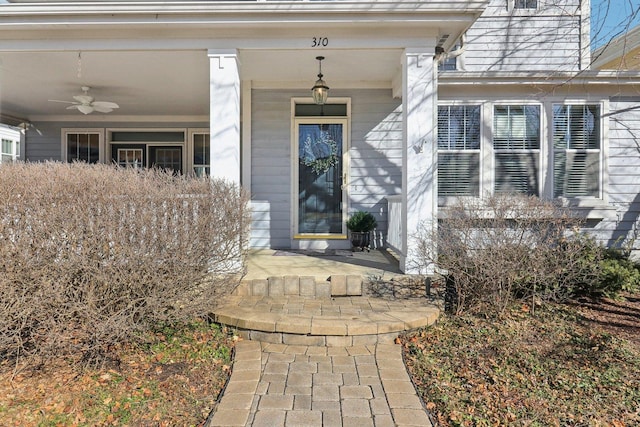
516, 145
576, 150
459, 150
525, 4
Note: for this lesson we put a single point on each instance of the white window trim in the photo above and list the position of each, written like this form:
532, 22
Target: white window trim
101, 141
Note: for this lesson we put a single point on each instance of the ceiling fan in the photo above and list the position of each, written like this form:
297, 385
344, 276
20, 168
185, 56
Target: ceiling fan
87, 105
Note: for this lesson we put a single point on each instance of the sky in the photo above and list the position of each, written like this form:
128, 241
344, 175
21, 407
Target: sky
611, 18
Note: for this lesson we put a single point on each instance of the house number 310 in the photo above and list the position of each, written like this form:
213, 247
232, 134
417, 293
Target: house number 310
319, 42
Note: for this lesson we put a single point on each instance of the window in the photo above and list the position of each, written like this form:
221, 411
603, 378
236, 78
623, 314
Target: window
201, 154
525, 4
516, 144
81, 146
166, 157
130, 157
576, 150
459, 150
10, 150
448, 64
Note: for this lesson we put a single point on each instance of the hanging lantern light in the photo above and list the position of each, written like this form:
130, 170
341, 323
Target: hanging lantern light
320, 90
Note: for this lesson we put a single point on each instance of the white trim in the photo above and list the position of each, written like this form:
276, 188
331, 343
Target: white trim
523, 78
585, 34
224, 112
246, 87
115, 118
201, 12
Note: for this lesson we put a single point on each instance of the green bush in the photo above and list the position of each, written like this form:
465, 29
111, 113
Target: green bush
362, 221
617, 274
91, 255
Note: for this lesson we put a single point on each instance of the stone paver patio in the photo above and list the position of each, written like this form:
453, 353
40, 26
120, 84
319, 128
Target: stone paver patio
318, 346
289, 385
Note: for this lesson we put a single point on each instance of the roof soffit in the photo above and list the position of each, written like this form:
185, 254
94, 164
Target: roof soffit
235, 14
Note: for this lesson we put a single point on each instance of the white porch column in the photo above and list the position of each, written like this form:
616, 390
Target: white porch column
419, 191
224, 105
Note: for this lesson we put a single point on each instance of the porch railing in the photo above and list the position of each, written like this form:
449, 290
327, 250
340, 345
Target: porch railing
394, 224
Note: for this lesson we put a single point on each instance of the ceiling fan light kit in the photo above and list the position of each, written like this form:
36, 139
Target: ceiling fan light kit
87, 105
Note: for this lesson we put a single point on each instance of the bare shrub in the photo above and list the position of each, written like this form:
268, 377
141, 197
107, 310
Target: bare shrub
508, 246
91, 256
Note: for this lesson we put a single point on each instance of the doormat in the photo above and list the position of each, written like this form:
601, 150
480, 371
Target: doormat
307, 252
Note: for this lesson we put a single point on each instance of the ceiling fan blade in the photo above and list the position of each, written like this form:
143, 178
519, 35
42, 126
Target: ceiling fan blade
102, 108
85, 109
57, 100
83, 99
104, 104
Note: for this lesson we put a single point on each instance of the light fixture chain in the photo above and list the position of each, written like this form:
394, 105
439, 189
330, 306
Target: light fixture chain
79, 65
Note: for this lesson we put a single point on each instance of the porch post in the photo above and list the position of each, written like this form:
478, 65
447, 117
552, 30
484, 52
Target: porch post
224, 107
419, 191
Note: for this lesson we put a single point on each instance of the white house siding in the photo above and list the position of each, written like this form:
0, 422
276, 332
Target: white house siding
624, 173
376, 154
547, 39
375, 157
271, 168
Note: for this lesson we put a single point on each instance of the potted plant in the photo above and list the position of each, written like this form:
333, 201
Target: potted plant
361, 224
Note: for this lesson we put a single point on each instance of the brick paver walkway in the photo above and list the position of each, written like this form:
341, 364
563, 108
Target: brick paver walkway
289, 385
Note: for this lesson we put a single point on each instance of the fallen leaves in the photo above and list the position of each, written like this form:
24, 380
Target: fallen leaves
549, 369
142, 391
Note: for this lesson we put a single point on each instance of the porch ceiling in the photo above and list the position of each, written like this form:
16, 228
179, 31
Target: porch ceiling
169, 83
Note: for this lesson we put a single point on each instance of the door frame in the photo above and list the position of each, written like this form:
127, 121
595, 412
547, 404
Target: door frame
345, 121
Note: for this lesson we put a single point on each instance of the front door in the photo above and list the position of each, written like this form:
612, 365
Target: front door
321, 176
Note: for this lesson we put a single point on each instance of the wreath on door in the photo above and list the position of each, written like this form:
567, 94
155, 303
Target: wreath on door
320, 154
